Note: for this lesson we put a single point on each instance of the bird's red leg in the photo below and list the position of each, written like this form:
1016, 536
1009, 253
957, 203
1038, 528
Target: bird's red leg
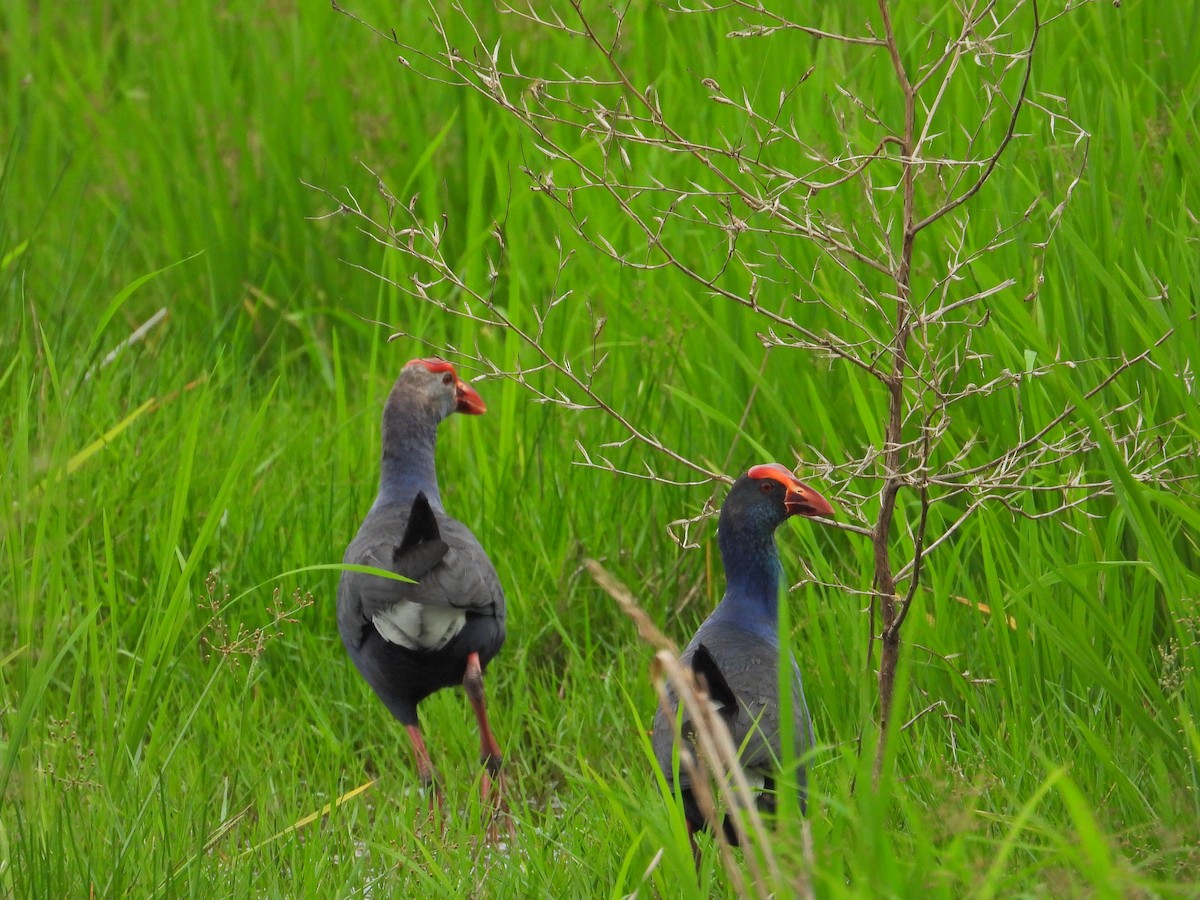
429, 786
489, 750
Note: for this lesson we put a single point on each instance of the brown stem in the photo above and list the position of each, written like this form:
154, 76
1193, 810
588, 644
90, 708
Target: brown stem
884, 581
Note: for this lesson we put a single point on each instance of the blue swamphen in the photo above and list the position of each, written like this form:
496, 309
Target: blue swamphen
736, 650
411, 639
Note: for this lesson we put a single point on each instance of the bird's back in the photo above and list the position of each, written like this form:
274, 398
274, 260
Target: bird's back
461, 582
411, 639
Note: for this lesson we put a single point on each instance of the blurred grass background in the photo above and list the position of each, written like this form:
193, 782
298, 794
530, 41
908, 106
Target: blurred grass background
154, 158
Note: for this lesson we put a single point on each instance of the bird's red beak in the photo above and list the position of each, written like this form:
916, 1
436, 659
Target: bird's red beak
467, 399
801, 500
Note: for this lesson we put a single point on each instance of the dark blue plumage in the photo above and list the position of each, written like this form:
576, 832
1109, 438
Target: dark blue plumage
736, 649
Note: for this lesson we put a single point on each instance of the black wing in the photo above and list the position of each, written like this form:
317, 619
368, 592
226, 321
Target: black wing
422, 546
714, 682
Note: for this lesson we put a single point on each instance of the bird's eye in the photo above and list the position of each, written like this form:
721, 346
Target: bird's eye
767, 487
447, 378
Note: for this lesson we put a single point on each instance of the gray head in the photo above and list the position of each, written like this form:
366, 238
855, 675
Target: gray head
426, 391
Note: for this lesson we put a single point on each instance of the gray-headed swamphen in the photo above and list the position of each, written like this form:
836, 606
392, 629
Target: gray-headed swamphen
736, 650
411, 639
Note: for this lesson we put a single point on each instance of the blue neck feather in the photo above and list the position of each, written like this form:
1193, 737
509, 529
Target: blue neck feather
408, 461
752, 574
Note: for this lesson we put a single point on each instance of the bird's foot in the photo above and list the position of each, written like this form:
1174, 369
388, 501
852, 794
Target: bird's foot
434, 816
492, 794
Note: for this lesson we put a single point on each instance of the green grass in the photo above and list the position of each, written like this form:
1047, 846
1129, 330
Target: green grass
153, 158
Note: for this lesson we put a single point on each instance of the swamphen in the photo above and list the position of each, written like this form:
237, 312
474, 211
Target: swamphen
736, 650
411, 639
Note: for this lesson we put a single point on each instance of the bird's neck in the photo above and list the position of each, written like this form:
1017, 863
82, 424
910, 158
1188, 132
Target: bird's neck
408, 465
752, 577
